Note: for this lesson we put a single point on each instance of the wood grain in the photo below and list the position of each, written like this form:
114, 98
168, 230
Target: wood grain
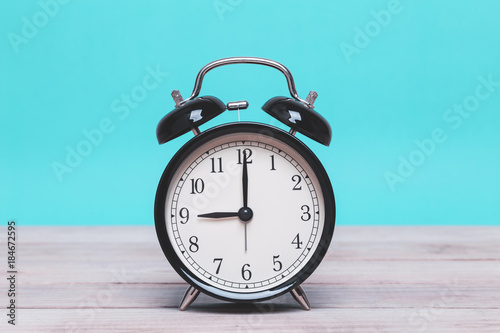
374, 279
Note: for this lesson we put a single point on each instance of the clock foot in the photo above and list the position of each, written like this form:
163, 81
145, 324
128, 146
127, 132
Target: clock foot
189, 297
300, 296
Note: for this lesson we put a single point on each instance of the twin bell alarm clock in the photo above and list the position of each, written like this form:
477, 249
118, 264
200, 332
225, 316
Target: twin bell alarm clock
244, 211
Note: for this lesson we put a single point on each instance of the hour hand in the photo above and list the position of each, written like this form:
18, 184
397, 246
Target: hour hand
219, 215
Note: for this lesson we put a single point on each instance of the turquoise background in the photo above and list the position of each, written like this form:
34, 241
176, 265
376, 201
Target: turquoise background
381, 90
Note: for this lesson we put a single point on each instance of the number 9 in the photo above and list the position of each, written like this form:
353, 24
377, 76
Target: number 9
184, 214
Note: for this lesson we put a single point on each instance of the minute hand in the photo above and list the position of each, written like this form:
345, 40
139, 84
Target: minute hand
219, 215
245, 180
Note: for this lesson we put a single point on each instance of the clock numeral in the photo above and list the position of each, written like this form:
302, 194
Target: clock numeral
184, 214
296, 241
247, 152
306, 216
194, 244
218, 266
272, 163
297, 179
214, 165
277, 263
197, 186
245, 273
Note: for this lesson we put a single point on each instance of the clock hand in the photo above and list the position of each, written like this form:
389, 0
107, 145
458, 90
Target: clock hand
245, 237
219, 215
245, 180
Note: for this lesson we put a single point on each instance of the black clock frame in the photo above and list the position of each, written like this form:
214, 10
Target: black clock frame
287, 139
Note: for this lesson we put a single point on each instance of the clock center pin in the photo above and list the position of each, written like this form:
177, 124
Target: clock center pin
245, 214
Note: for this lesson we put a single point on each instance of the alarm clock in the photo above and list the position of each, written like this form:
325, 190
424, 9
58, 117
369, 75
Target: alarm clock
244, 211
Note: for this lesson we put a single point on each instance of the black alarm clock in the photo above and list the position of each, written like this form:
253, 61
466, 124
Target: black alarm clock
244, 211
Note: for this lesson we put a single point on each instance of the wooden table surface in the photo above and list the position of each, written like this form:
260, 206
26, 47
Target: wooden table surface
373, 279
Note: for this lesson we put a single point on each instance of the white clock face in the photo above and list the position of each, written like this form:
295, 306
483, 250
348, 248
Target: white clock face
205, 195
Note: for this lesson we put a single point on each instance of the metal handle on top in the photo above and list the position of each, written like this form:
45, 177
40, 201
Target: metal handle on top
245, 60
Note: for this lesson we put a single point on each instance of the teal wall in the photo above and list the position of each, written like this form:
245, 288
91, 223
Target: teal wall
410, 88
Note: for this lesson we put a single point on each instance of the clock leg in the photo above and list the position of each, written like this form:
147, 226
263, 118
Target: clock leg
189, 297
300, 296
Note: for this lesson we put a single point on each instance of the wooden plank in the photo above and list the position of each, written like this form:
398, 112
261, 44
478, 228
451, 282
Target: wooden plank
248, 318
343, 272
408, 243
92, 259
139, 234
163, 295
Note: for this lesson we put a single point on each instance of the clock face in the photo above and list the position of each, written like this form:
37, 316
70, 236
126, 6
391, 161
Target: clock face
243, 210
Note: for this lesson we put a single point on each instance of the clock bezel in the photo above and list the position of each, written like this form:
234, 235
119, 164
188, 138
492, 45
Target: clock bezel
238, 128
